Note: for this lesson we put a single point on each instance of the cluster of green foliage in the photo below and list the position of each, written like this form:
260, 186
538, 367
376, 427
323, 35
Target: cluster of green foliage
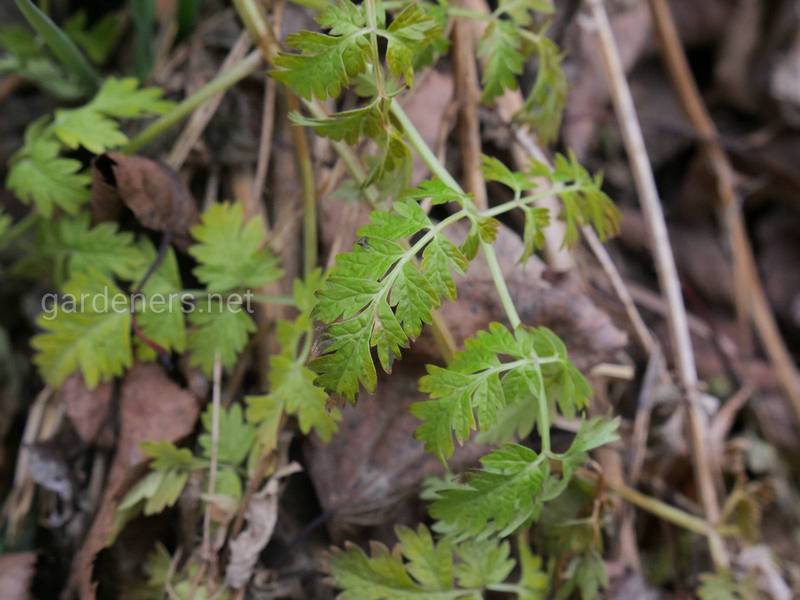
370, 306
379, 296
100, 337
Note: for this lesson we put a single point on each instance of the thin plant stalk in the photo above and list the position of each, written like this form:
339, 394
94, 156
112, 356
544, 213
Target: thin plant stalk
222, 82
667, 272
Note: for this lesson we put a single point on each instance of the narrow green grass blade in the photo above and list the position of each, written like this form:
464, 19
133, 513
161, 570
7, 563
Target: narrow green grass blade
143, 13
62, 47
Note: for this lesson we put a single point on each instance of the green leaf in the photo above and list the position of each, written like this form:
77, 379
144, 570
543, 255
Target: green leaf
292, 385
99, 39
502, 47
93, 126
89, 330
723, 586
346, 361
481, 381
427, 574
438, 192
411, 31
534, 581
349, 126
536, 221
124, 99
37, 174
588, 205
170, 469
429, 563
593, 434
74, 246
217, 327
586, 574
376, 296
236, 435
326, 63
483, 563
495, 170
93, 130
544, 107
160, 314
496, 500
230, 252
166, 455
519, 10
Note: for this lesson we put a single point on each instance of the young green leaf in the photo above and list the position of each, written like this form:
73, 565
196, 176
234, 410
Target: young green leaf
544, 106
292, 384
420, 567
410, 32
216, 326
496, 500
99, 39
478, 382
37, 174
327, 62
586, 574
375, 296
93, 126
502, 46
89, 330
236, 435
162, 486
72, 245
231, 253
160, 311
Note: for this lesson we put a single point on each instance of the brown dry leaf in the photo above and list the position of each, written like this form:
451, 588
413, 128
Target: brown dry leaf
364, 475
16, 572
152, 407
151, 190
262, 515
87, 409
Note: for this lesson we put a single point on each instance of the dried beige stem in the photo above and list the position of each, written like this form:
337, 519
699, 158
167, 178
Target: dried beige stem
750, 295
665, 266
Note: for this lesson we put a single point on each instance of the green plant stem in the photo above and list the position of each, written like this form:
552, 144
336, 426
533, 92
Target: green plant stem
372, 21
660, 509
19, 228
226, 80
313, 4
63, 48
439, 170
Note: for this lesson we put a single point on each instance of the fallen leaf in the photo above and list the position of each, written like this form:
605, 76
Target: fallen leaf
16, 572
262, 515
151, 190
152, 408
87, 409
370, 472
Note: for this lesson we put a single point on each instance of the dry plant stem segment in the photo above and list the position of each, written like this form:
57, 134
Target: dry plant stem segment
667, 272
744, 263
468, 97
309, 191
219, 84
203, 114
216, 397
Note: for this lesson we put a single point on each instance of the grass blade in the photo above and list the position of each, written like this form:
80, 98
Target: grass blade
62, 47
